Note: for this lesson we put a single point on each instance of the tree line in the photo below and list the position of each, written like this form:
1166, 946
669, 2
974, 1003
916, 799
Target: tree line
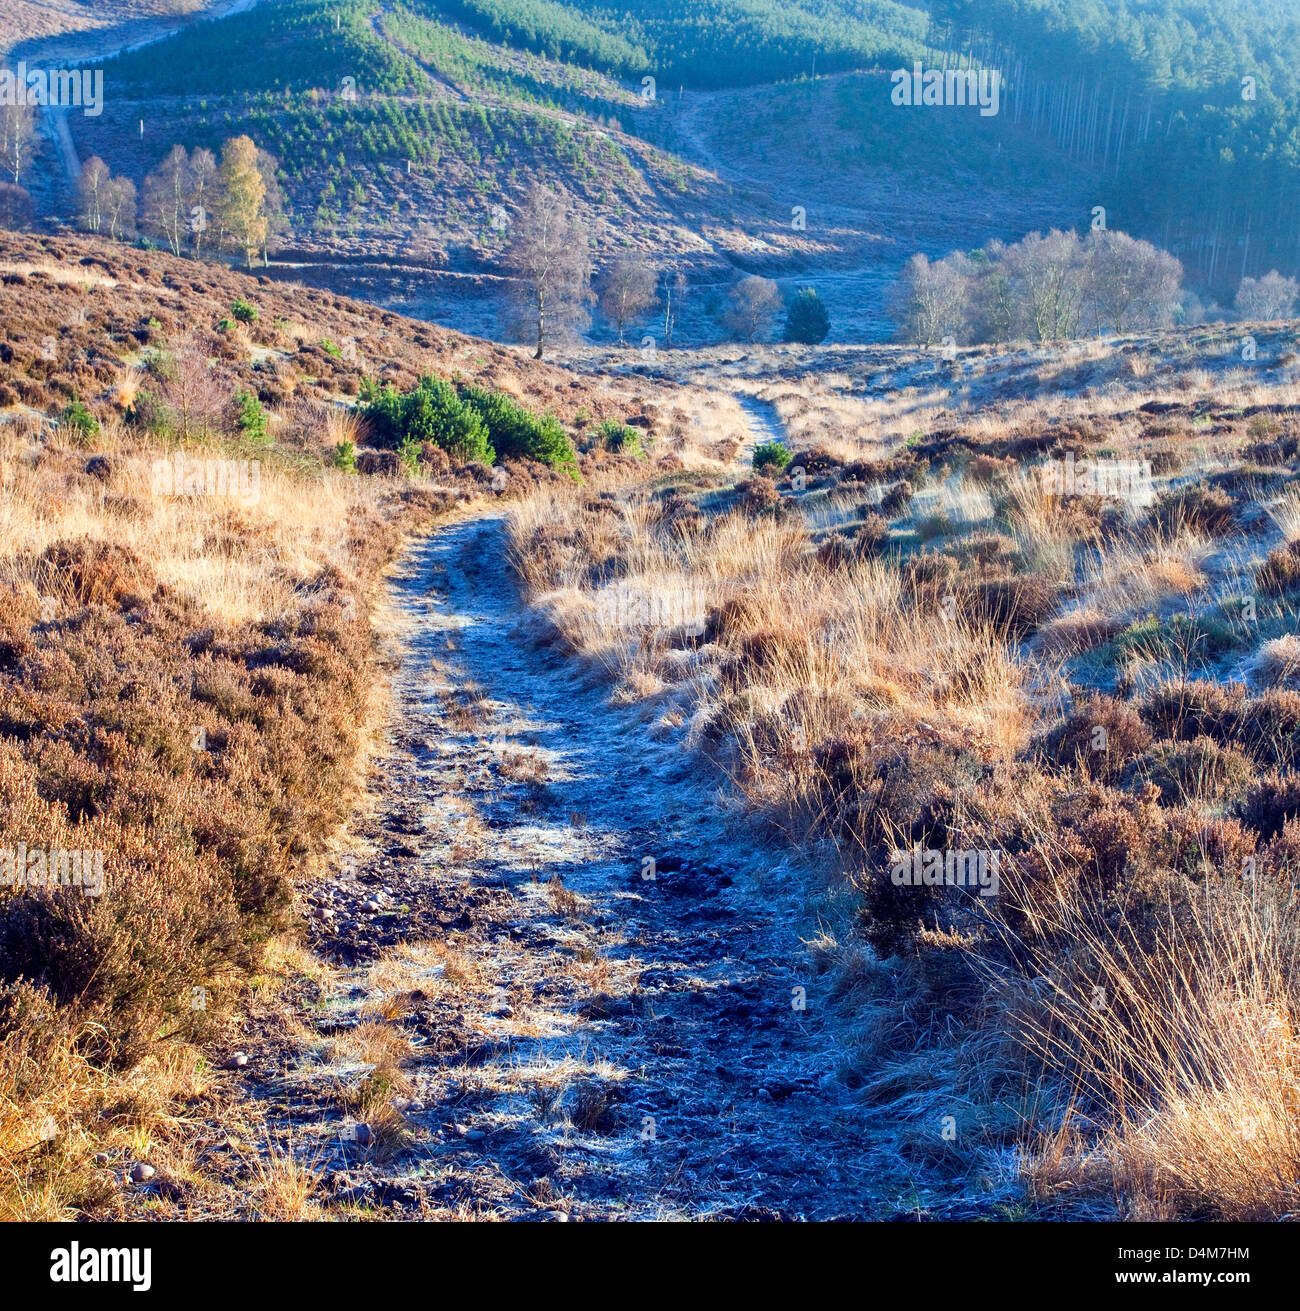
1043, 287
1055, 286
708, 43
553, 284
1190, 111
190, 203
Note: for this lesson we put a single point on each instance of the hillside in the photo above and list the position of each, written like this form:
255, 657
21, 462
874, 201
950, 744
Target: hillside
85, 319
197, 515
1188, 110
406, 135
68, 29
404, 192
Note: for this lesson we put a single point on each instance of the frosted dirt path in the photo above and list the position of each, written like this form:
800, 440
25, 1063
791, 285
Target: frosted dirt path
589, 1043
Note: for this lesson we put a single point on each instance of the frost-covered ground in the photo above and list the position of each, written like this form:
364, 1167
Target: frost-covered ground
592, 1035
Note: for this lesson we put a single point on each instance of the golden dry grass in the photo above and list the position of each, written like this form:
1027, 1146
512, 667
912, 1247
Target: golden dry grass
802, 676
827, 647
1193, 1041
240, 557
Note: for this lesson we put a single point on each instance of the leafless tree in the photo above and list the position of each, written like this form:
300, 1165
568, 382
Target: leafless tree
549, 262
1269, 297
991, 313
930, 299
674, 294
1048, 275
166, 199
201, 196
628, 290
1042, 287
90, 193
1129, 283
17, 130
752, 306
119, 207
273, 206
194, 389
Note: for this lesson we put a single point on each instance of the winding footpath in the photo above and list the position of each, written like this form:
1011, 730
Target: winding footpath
591, 1035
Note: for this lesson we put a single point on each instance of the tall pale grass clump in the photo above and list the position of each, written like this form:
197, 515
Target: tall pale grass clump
1047, 537
1277, 662
1180, 1053
1125, 579
1285, 512
342, 425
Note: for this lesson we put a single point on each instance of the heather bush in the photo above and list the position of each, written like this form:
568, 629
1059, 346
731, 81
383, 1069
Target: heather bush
1101, 734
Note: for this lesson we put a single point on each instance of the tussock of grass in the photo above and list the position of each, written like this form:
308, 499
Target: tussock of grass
1189, 1042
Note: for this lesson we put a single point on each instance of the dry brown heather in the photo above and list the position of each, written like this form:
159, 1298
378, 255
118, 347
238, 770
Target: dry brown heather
914, 641
188, 683
185, 688
84, 318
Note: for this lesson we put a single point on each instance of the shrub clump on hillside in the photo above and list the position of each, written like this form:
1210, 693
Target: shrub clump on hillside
770, 455
518, 433
430, 412
472, 424
80, 423
621, 438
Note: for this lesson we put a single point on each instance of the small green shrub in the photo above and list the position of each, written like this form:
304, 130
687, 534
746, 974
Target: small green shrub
250, 418
244, 311
434, 413
381, 408
771, 455
620, 437
79, 421
1155, 638
345, 457
148, 413
409, 454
